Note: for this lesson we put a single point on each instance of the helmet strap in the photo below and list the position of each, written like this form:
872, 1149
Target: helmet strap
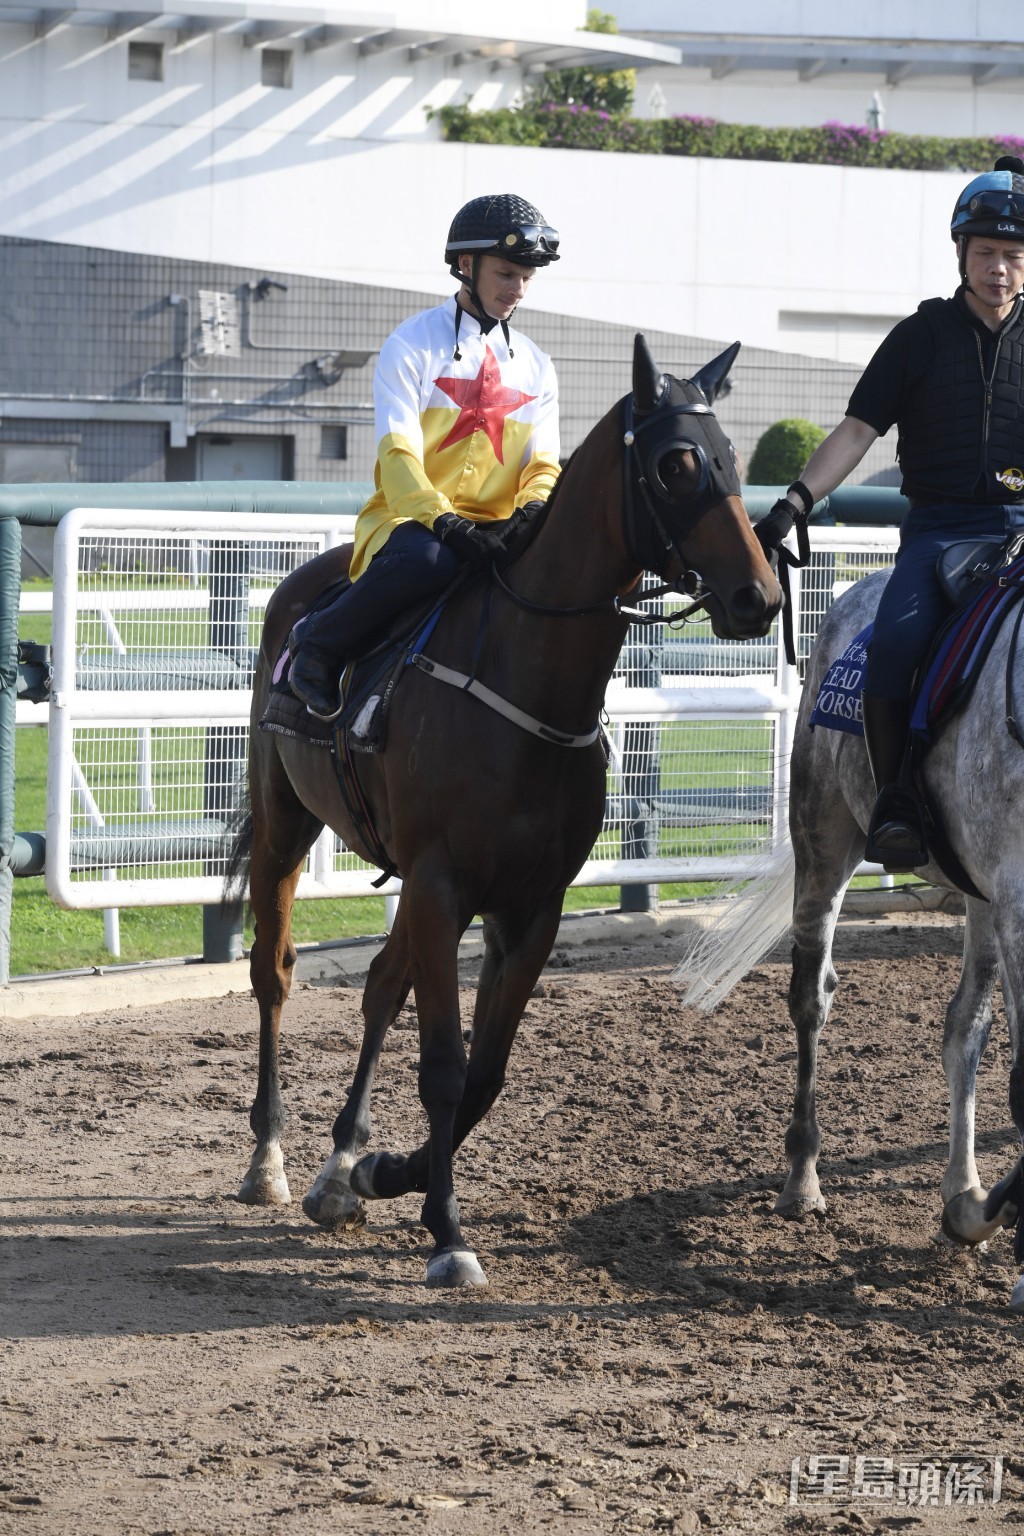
486, 321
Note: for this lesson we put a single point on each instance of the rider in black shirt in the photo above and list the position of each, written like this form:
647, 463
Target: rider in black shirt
952, 377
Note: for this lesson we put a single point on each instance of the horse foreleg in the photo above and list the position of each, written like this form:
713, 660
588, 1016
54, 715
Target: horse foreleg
827, 853
332, 1198
514, 957
434, 925
273, 877
968, 1021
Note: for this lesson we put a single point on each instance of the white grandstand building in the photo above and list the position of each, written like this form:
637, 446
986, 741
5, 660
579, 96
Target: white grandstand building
283, 134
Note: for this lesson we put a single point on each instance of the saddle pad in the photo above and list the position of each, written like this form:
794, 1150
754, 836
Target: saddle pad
288, 715
837, 706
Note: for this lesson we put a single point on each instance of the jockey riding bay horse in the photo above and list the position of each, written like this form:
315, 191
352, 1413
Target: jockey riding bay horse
487, 802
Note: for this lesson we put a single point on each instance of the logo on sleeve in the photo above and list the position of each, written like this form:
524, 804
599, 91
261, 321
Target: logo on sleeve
1012, 478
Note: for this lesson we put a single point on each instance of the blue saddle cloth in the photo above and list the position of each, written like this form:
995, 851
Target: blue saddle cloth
837, 706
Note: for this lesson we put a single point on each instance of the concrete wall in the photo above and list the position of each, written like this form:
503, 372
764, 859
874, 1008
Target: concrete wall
90, 334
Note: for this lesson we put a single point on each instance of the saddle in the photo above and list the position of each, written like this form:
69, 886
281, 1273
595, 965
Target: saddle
368, 685
964, 568
984, 580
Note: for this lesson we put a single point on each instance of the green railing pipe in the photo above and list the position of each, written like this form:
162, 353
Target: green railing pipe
43, 506
866, 506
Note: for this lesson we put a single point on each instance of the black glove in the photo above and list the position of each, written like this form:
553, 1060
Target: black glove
772, 530
478, 544
515, 528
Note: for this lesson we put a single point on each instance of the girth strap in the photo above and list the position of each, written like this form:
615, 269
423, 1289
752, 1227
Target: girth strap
499, 705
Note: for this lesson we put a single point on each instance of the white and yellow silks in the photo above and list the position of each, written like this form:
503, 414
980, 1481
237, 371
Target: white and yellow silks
476, 435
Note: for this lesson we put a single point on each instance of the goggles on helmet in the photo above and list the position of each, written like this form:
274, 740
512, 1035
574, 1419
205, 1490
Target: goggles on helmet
998, 203
528, 239
524, 240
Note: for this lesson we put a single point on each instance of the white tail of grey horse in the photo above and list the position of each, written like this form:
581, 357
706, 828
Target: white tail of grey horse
750, 924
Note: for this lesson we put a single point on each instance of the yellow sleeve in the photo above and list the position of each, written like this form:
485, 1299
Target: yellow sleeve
541, 467
404, 482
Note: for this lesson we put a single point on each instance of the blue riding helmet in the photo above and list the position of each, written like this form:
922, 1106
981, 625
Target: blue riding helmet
992, 204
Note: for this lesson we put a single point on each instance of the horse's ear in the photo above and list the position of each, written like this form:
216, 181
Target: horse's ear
713, 375
648, 379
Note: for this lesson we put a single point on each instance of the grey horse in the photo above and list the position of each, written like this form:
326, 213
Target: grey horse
974, 773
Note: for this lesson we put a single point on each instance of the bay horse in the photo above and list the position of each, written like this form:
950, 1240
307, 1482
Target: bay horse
481, 814
973, 774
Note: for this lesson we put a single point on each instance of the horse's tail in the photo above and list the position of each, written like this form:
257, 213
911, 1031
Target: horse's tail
750, 924
239, 837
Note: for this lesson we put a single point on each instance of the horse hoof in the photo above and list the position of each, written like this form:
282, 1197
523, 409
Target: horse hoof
334, 1208
331, 1202
797, 1207
265, 1182
453, 1268
1017, 1298
964, 1221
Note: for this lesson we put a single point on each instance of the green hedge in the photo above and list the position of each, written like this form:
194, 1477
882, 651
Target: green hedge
579, 127
782, 451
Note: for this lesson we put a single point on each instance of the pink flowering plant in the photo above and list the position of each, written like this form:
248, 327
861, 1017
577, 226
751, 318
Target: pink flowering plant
576, 125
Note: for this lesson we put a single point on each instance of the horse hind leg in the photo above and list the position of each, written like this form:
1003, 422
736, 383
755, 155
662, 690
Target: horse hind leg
280, 843
1005, 1204
828, 846
332, 1199
968, 1021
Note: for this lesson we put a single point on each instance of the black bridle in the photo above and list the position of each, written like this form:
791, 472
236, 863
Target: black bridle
653, 542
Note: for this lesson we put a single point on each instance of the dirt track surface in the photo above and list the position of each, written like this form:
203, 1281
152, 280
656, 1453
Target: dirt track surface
655, 1348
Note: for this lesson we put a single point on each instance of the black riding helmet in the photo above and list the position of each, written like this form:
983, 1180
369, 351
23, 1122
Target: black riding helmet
502, 225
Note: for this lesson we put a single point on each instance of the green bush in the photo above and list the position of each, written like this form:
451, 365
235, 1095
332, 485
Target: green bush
552, 124
782, 451
603, 90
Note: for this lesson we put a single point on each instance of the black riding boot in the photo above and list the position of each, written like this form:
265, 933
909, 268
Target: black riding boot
896, 835
412, 566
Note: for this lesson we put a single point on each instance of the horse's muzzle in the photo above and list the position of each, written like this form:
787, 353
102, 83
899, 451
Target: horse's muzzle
747, 613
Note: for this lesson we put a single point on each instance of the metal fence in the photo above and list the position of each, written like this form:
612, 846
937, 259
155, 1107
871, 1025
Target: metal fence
156, 628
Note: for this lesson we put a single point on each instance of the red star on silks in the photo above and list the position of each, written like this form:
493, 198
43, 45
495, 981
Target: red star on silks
483, 403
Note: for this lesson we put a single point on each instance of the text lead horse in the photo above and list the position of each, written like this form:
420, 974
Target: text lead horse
478, 813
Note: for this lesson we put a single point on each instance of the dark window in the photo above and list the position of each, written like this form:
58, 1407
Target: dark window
276, 67
334, 442
145, 61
